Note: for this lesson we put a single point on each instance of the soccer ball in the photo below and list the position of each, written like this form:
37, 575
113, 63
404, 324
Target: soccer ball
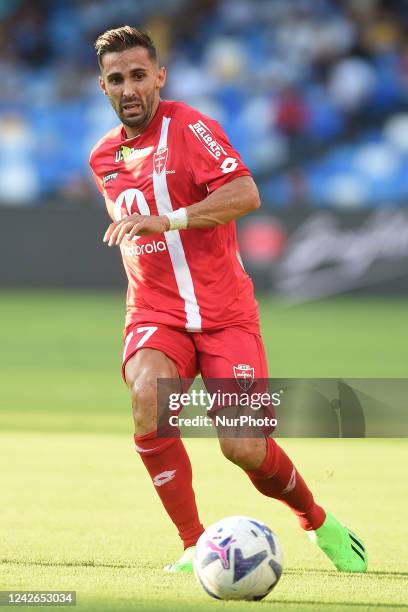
238, 558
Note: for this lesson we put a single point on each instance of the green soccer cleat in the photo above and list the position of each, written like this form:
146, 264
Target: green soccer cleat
184, 564
341, 545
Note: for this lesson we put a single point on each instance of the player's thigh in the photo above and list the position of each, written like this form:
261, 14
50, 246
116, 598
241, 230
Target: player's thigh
149, 364
238, 358
157, 351
154, 358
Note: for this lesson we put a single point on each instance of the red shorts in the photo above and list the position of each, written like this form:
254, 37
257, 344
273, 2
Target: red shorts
215, 354
233, 354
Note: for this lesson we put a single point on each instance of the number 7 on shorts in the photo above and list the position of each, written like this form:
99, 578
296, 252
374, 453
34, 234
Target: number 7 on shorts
148, 333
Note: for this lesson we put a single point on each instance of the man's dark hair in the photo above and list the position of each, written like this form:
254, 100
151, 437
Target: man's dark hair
121, 39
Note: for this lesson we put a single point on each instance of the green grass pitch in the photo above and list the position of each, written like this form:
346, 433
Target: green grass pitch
77, 511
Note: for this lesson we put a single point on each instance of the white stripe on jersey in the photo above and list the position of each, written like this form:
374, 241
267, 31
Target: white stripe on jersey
174, 244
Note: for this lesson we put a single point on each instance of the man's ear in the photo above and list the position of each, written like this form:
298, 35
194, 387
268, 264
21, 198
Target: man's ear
161, 77
102, 85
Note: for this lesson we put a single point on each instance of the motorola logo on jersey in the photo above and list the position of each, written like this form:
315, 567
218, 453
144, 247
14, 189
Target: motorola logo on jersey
135, 250
128, 202
132, 201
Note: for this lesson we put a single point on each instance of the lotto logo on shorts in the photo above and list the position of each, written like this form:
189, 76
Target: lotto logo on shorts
244, 375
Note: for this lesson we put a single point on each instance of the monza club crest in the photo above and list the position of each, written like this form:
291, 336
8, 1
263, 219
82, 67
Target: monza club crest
244, 375
160, 159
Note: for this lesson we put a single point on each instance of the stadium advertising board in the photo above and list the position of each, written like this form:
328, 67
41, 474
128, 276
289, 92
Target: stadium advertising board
297, 255
307, 255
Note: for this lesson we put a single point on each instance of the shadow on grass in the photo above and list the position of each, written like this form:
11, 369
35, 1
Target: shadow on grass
328, 604
287, 572
333, 572
79, 563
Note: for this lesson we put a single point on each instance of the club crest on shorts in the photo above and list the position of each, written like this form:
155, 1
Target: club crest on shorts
244, 375
160, 159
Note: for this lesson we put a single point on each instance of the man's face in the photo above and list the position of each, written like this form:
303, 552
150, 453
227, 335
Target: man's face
132, 81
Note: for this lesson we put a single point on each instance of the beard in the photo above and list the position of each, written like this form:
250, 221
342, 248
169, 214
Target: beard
138, 118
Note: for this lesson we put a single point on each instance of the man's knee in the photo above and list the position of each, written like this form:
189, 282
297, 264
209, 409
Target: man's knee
143, 391
142, 373
145, 405
247, 453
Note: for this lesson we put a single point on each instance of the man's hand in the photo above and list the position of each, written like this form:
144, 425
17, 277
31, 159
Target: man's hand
227, 203
135, 225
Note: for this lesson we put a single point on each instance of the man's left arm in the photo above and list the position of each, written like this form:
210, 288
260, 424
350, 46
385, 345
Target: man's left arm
230, 201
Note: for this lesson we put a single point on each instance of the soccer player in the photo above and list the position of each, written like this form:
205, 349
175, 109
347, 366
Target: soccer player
173, 186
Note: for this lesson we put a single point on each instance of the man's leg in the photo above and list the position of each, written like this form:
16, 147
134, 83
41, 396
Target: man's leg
270, 469
274, 475
165, 459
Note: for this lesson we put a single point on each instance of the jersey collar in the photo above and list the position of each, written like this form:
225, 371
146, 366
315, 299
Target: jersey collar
150, 128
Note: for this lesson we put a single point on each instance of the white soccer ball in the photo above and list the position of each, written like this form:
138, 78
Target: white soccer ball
238, 558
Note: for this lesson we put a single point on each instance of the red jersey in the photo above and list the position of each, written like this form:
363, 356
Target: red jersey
191, 279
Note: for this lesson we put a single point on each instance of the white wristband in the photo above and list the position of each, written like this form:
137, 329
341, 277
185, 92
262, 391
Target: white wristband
178, 219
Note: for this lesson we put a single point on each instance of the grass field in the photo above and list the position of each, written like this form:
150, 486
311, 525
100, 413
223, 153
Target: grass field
77, 511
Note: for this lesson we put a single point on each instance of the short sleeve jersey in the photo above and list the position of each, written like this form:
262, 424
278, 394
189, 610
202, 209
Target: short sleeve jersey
193, 278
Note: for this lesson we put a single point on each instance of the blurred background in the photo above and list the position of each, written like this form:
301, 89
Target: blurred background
313, 93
